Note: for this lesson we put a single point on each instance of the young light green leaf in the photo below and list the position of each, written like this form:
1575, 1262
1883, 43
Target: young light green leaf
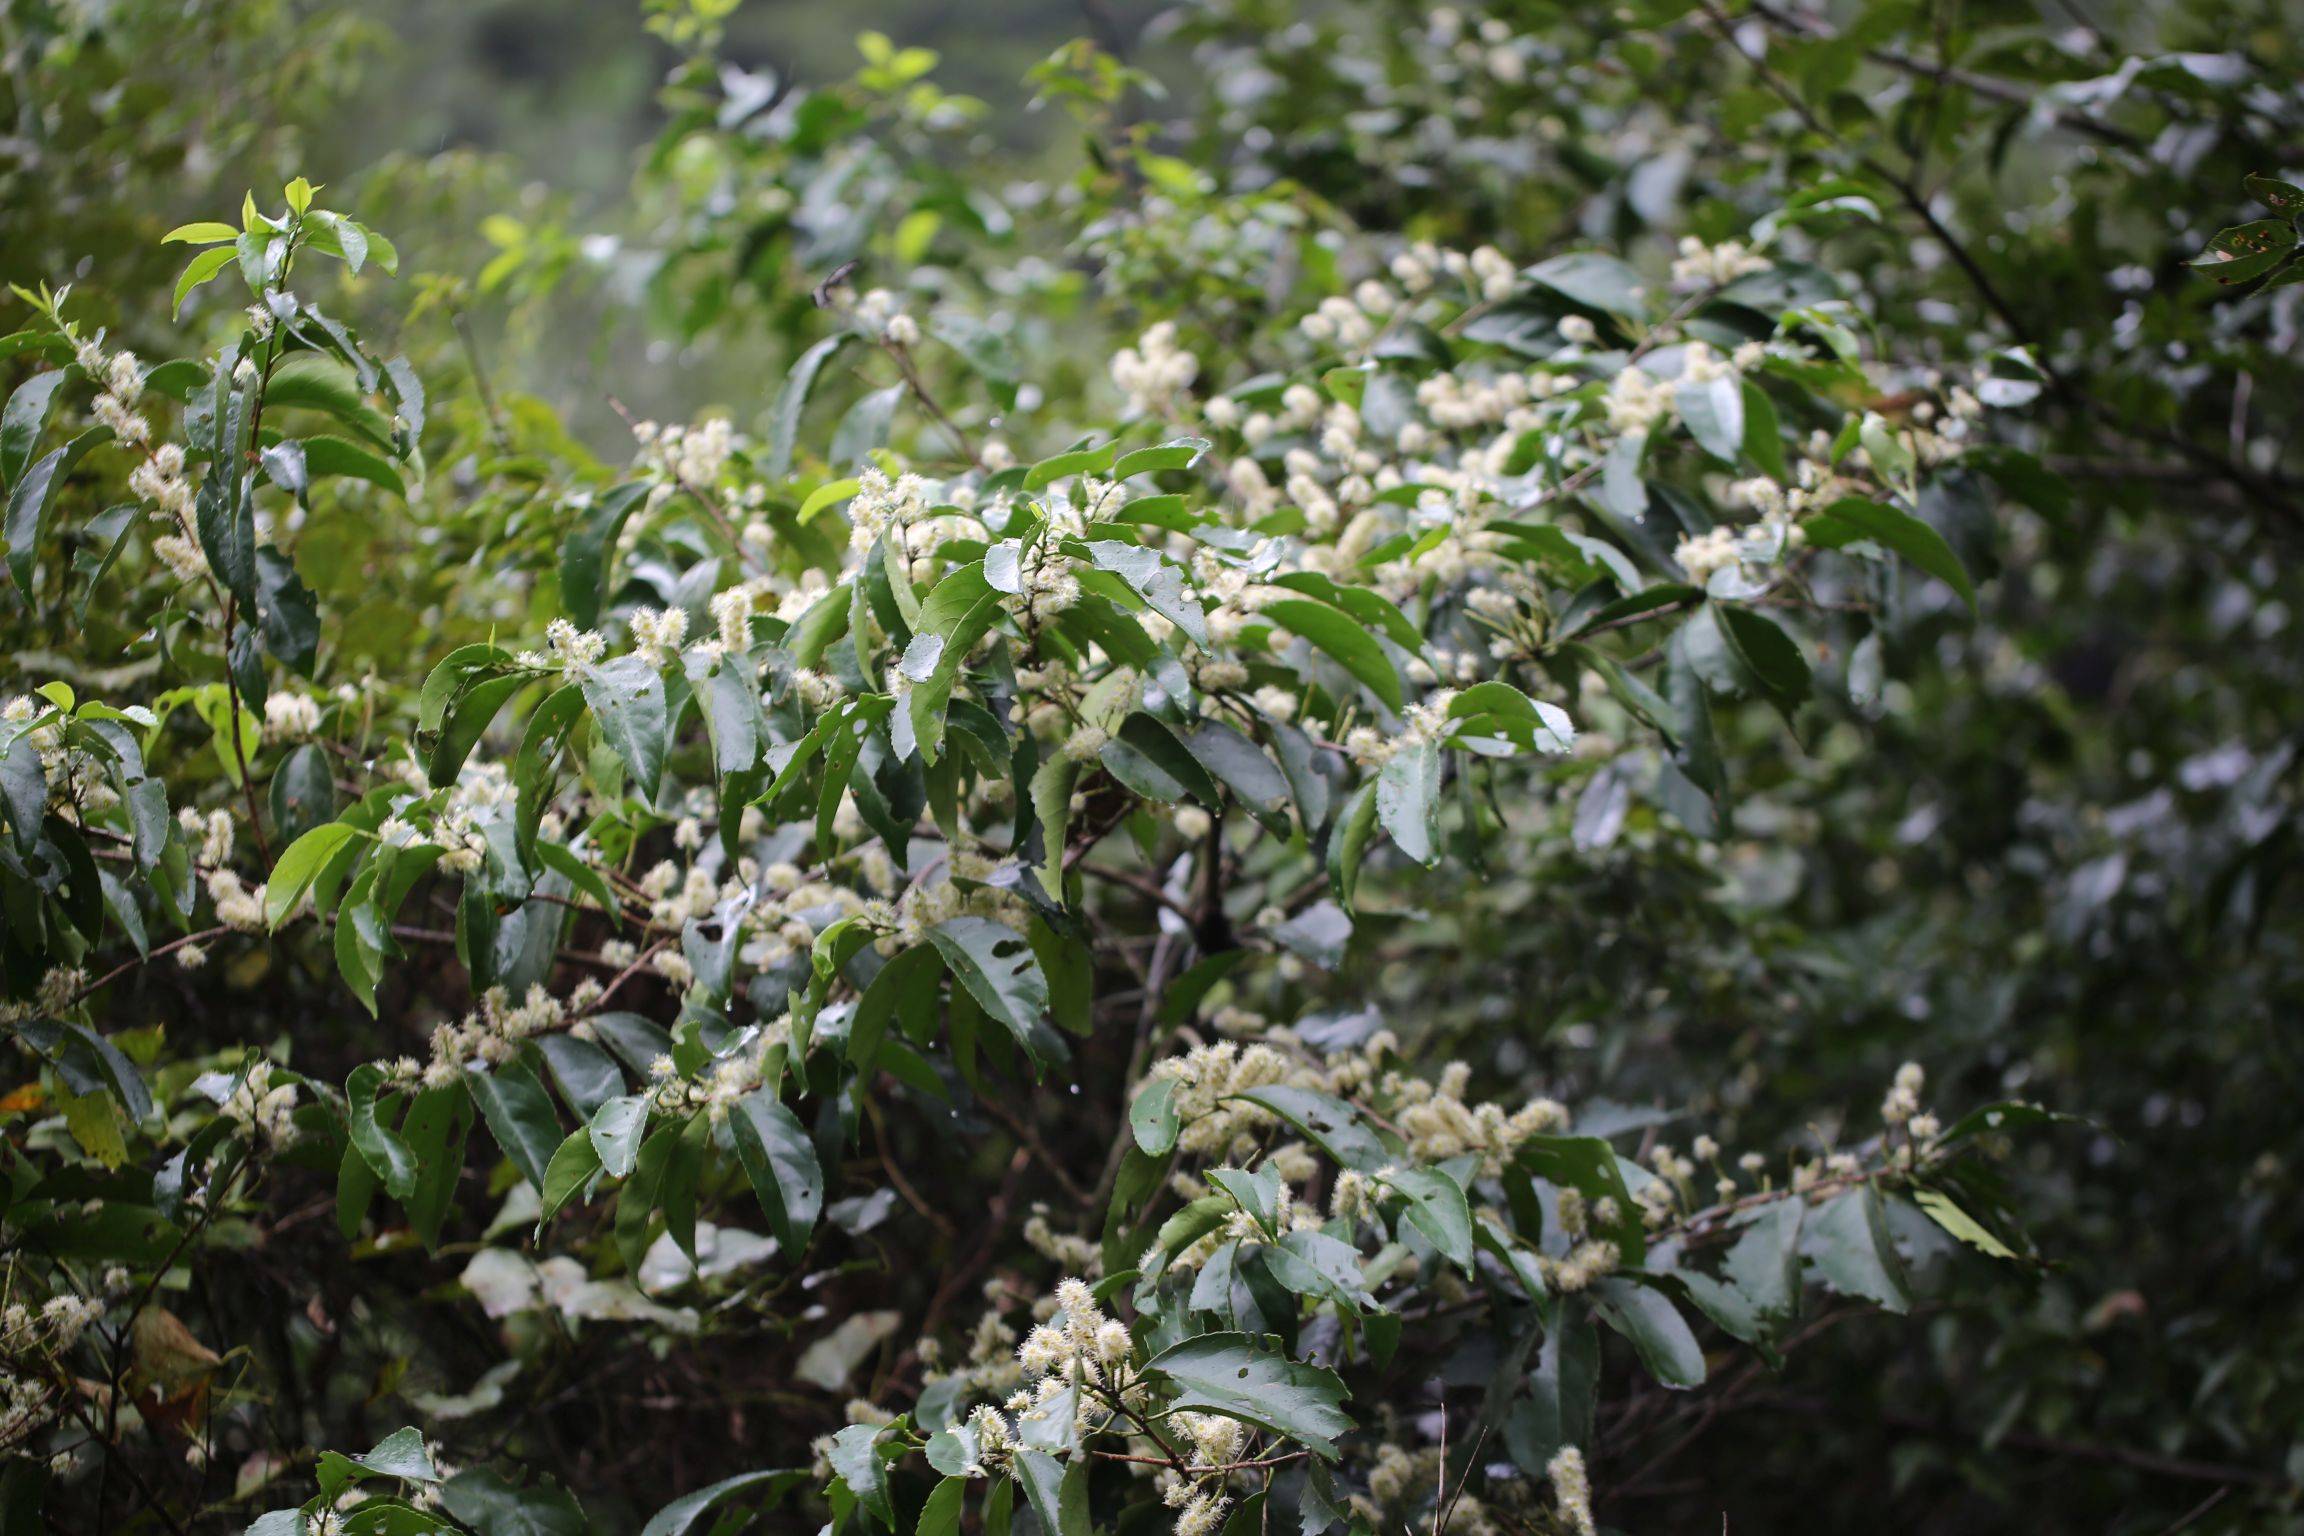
300, 865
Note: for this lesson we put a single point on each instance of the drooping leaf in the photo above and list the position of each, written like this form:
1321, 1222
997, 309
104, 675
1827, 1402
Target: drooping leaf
781, 1162
1408, 797
1659, 1335
1226, 1373
300, 865
680, 1516
627, 700
1847, 1240
1853, 517
996, 964
519, 1115
1341, 637
1057, 1492
1437, 1208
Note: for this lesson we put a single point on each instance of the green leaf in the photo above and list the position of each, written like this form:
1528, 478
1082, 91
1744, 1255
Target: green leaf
1558, 1409
587, 1076
325, 456
906, 987
1051, 798
302, 791
1768, 653
792, 403
1176, 453
1080, 461
315, 381
30, 498
224, 514
1372, 609
25, 417
400, 1454
1153, 762
2279, 196
1349, 842
1595, 281
568, 1174
1587, 1164
1763, 434
1960, 1224
856, 1461
1338, 634
1498, 709
824, 496
1408, 796
468, 720
2007, 1115
627, 701
1152, 576
1438, 1209
437, 1122
1660, 1336
300, 864
1152, 1117
2246, 252
679, 1517
638, 1201
1714, 413
1058, 1493
1764, 1264
1257, 1193
940, 1515
1241, 766
449, 677
997, 966
494, 1506
1853, 517
615, 1133
1622, 492
781, 1162
386, 1154
1848, 1242
1225, 1373
205, 232
590, 550
1327, 1122
581, 877
520, 1116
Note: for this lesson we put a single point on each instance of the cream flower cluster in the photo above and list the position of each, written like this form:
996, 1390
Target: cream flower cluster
1700, 266
257, 1106
1439, 1125
881, 505
879, 314
489, 1036
77, 780
1157, 373
1076, 1362
692, 456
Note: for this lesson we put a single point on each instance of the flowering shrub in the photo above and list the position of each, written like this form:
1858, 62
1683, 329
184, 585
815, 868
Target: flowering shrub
591, 898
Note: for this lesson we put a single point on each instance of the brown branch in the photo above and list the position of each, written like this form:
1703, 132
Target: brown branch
2151, 1462
1029, 1137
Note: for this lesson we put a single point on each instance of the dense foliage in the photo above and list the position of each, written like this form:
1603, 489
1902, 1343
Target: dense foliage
1520, 772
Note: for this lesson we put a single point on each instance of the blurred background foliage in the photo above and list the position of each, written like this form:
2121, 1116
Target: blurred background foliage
2060, 865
